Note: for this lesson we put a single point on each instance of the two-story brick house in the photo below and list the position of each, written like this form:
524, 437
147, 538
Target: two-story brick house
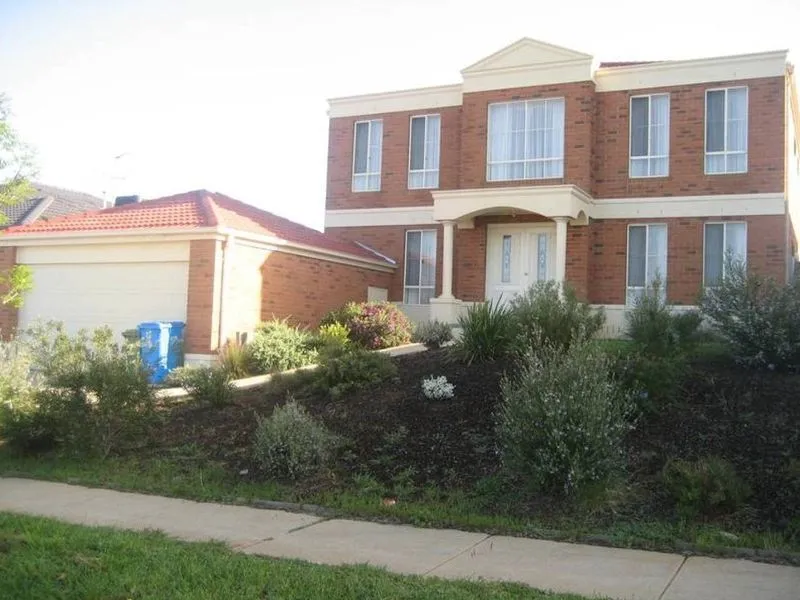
541, 165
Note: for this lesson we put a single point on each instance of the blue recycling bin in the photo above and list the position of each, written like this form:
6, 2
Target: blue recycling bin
175, 352
154, 348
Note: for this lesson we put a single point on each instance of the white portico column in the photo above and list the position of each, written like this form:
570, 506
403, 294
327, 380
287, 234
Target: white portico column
561, 248
448, 228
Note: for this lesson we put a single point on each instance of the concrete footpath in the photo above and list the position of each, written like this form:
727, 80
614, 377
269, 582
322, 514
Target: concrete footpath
587, 570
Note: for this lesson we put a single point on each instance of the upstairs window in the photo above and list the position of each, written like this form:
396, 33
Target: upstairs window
726, 131
423, 154
526, 140
647, 260
367, 144
725, 243
649, 151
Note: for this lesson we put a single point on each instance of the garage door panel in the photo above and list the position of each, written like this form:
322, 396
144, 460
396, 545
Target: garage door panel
117, 295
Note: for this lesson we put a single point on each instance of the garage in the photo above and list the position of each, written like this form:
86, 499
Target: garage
219, 265
119, 286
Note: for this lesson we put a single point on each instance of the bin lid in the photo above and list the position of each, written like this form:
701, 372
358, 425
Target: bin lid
154, 325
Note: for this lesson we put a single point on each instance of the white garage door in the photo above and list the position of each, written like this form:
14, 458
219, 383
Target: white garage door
120, 295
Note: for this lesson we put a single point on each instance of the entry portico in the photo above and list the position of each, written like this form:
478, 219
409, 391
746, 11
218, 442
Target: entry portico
517, 254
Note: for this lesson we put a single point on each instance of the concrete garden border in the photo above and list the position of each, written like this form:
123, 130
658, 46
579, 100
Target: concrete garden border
178, 393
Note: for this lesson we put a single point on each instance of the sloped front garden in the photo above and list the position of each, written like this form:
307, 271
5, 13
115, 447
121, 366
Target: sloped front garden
698, 448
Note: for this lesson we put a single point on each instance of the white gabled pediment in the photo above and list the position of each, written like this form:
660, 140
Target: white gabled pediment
527, 63
525, 53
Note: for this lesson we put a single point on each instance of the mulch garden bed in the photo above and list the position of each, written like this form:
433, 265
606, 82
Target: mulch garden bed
447, 442
750, 419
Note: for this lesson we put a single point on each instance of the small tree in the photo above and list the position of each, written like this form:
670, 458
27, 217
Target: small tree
16, 168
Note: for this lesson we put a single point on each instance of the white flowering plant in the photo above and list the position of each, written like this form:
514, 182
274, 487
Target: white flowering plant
437, 388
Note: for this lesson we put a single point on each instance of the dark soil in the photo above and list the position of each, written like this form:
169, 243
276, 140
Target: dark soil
390, 427
750, 419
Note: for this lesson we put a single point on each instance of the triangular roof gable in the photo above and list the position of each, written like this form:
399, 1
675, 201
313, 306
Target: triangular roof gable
525, 52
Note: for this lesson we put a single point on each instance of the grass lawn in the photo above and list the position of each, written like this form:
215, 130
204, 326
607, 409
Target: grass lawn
42, 558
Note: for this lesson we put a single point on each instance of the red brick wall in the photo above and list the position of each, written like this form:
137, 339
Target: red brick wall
8, 315
305, 289
596, 145
765, 172
391, 242
608, 263
578, 134
394, 168
202, 310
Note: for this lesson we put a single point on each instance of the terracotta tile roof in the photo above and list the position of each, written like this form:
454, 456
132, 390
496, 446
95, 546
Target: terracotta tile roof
192, 210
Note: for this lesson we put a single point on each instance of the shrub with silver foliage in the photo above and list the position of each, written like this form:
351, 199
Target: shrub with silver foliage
759, 317
437, 388
291, 444
563, 419
434, 334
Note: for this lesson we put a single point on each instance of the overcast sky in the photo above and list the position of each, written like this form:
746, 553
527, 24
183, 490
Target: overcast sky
231, 95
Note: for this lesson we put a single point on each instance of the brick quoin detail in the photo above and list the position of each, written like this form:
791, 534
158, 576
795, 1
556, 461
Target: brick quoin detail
8, 314
305, 289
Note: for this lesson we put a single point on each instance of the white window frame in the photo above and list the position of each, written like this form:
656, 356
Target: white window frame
420, 287
724, 244
727, 152
646, 259
649, 157
366, 174
523, 161
424, 171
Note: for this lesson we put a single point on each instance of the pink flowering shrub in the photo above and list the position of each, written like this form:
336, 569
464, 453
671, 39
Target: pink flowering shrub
373, 325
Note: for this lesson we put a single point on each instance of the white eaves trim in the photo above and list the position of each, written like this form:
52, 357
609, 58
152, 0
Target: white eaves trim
721, 205
171, 234
379, 217
535, 64
109, 236
688, 72
280, 245
404, 100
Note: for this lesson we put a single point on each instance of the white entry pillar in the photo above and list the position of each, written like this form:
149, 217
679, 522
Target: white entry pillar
561, 248
448, 228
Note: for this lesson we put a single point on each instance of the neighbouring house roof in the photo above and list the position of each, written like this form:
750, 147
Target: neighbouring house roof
199, 209
48, 202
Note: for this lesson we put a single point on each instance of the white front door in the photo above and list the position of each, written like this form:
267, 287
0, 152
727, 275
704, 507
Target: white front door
517, 256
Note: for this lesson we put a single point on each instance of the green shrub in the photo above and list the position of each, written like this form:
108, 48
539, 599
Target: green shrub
372, 325
235, 359
547, 314
95, 395
291, 444
487, 333
704, 488
332, 339
563, 419
757, 316
278, 346
662, 341
353, 369
22, 426
434, 334
209, 385
658, 331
